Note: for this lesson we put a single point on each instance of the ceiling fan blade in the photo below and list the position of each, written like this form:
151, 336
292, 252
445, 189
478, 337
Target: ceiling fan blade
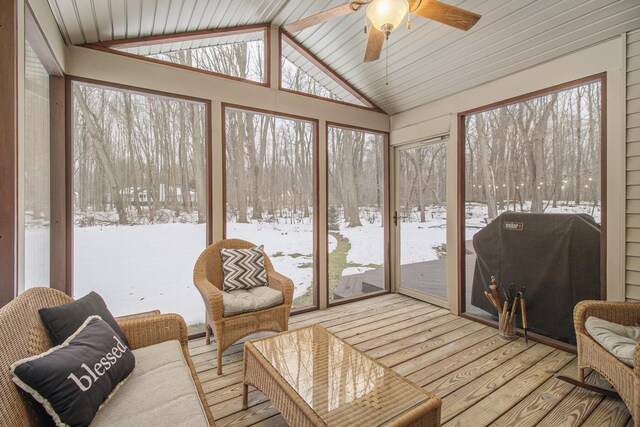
446, 14
374, 44
323, 16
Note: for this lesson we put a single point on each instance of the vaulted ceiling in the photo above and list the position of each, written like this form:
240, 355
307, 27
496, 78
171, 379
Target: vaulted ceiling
426, 63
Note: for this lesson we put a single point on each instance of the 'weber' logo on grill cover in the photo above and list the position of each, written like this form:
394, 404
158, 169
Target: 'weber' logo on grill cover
513, 226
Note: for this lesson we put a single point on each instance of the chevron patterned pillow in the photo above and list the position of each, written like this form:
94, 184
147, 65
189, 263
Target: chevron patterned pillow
243, 268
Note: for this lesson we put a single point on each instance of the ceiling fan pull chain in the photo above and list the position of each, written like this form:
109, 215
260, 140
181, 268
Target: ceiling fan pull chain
387, 65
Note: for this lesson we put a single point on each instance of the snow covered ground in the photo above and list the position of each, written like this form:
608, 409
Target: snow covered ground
141, 268
289, 246
418, 240
134, 268
148, 267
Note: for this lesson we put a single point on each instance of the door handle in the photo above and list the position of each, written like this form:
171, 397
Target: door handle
395, 218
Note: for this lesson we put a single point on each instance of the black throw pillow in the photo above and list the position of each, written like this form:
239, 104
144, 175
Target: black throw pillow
62, 321
74, 379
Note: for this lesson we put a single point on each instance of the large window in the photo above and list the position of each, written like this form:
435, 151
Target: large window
238, 53
301, 72
533, 205
36, 171
270, 192
140, 201
422, 217
356, 214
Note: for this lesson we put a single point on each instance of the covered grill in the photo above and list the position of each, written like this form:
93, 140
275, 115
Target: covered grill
556, 256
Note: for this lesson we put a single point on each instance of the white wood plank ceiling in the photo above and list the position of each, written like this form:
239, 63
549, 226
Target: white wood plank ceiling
426, 63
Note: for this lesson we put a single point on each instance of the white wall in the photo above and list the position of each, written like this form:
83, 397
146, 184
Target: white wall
633, 165
440, 117
46, 22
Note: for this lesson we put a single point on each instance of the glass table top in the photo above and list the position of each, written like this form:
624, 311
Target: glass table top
342, 385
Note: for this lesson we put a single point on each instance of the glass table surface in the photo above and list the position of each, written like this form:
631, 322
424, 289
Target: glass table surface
342, 385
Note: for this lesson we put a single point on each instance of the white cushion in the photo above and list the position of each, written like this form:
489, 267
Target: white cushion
254, 299
159, 392
617, 339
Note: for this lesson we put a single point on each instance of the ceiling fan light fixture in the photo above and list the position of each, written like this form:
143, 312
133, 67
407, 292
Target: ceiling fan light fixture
386, 15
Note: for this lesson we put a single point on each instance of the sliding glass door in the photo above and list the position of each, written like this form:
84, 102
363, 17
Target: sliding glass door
421, 221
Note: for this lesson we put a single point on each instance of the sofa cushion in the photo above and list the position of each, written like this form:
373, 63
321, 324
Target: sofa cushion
63, 320
244, 300
72, 380
619, 340
159, 392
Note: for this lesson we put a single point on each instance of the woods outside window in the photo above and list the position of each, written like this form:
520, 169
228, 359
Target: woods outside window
303, 73
239, 53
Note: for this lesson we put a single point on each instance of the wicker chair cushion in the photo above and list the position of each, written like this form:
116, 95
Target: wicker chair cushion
619, 340
254, 299
159, 391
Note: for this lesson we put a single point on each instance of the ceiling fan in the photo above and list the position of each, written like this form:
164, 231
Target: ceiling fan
387, 15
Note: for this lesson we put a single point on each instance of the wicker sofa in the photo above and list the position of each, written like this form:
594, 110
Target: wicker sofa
154, 339
625, 379
208, 277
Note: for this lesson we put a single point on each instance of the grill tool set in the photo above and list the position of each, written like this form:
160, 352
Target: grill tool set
508, 307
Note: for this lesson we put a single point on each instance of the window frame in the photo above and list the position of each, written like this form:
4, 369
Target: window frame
34, 35
386, 211
68, 187
461, 199
316, 189
111, 46
285, 36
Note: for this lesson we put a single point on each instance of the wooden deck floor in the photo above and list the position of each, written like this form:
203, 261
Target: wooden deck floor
482, 379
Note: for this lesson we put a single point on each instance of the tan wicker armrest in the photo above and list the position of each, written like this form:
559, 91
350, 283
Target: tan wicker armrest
212, 296
136, 315
623, 313
149, 330
636, 362
281, 283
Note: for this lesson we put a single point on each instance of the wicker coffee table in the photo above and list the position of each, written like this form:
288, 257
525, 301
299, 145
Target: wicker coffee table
316, 379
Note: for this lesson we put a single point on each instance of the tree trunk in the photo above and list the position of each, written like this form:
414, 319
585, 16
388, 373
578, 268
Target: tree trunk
487, 175
199, 161
241, 193
103, 157
578, 171
185, 191
349, 190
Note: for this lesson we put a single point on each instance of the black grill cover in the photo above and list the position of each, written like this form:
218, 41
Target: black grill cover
556, 256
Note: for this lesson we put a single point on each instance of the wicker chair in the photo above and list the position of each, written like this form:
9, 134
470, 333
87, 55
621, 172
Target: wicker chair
22, 334
208, 277
623, 378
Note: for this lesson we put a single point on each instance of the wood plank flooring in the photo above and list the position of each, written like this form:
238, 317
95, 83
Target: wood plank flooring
481, 379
